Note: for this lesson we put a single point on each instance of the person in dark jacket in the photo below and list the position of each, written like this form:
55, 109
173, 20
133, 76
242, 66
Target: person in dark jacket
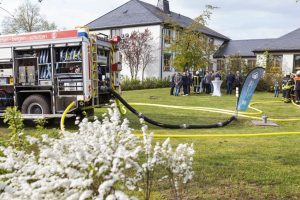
207, 81
185, 84
229, 82
284, 83
190, 82
172, 84
289, 88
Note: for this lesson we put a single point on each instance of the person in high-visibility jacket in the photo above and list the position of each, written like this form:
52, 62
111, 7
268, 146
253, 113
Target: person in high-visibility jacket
288, 88
297, 87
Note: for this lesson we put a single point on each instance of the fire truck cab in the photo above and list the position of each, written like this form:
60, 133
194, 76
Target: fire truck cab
42, 73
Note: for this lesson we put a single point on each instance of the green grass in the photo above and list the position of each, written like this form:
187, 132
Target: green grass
227, 167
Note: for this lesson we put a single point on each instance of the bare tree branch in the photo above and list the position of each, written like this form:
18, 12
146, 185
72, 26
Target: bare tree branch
27, 18
136, 49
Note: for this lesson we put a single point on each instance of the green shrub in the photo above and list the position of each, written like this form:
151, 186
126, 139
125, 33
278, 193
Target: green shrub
40, 123
148, 83
13, 117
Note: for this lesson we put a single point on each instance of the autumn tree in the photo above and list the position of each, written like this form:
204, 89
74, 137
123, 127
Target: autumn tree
137, 51
26, 18
191, 47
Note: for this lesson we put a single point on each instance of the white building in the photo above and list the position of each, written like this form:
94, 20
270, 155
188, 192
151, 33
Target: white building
285, 51
138, 15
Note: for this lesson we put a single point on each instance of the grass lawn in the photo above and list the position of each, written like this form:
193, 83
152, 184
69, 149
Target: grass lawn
260, 167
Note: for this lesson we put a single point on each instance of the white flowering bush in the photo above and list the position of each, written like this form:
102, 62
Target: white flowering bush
178, 163
100, 161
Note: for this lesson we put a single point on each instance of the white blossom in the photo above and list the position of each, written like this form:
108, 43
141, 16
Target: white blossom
92, 163
66, 168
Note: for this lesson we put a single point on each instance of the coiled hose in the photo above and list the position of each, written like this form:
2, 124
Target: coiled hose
170, 126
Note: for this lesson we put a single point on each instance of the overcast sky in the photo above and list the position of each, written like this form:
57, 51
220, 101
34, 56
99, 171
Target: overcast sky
237, 19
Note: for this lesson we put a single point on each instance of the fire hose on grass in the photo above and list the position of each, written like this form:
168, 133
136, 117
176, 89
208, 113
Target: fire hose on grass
243, 101
170, 126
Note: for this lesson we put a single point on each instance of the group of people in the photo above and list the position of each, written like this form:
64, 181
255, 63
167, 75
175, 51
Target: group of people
200, 80
290, 87
232, 81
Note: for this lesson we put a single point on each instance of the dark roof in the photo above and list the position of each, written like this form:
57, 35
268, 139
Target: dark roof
137, 13
129, 14
243, 48
288, 42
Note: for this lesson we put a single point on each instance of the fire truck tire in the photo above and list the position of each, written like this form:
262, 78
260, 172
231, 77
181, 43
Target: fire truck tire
90, 112
35, 104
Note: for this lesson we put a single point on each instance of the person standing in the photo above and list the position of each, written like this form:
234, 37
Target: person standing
276, 89
185, 84
196, 82
172, 84
207, 81
201, 77
190, 82
285, 80
229, 82
178, 83
297, 87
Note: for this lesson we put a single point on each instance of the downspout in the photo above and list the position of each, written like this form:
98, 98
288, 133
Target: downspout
161, 51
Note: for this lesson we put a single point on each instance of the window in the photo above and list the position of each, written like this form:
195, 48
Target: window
276, 61
211, 41
251, 63
167, 62
116, 32
296, 62
220, 64
167, 34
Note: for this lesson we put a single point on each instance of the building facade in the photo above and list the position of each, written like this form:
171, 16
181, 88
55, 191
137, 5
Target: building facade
285, 52
137, 15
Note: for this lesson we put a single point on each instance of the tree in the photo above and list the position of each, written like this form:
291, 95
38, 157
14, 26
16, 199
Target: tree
137, 49
147, 52
26, 18
128, 50
191, 47
237, 63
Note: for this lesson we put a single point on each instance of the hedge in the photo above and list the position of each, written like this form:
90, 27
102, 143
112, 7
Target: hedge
148, 83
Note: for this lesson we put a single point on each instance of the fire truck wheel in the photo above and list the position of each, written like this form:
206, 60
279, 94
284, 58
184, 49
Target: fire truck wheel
35, 104
89, 112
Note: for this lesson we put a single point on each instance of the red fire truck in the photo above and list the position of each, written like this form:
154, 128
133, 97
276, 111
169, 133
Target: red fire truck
41, 73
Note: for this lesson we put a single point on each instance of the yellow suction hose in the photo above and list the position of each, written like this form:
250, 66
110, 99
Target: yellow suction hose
63, 117
224, 111
227, 112
222, 135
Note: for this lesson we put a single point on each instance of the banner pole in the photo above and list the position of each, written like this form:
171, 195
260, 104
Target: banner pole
237, 100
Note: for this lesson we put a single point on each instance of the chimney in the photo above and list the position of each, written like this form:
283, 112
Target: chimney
164, 6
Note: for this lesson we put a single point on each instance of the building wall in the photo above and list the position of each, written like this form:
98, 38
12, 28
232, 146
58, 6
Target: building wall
154, 69
287, 61
217, 43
